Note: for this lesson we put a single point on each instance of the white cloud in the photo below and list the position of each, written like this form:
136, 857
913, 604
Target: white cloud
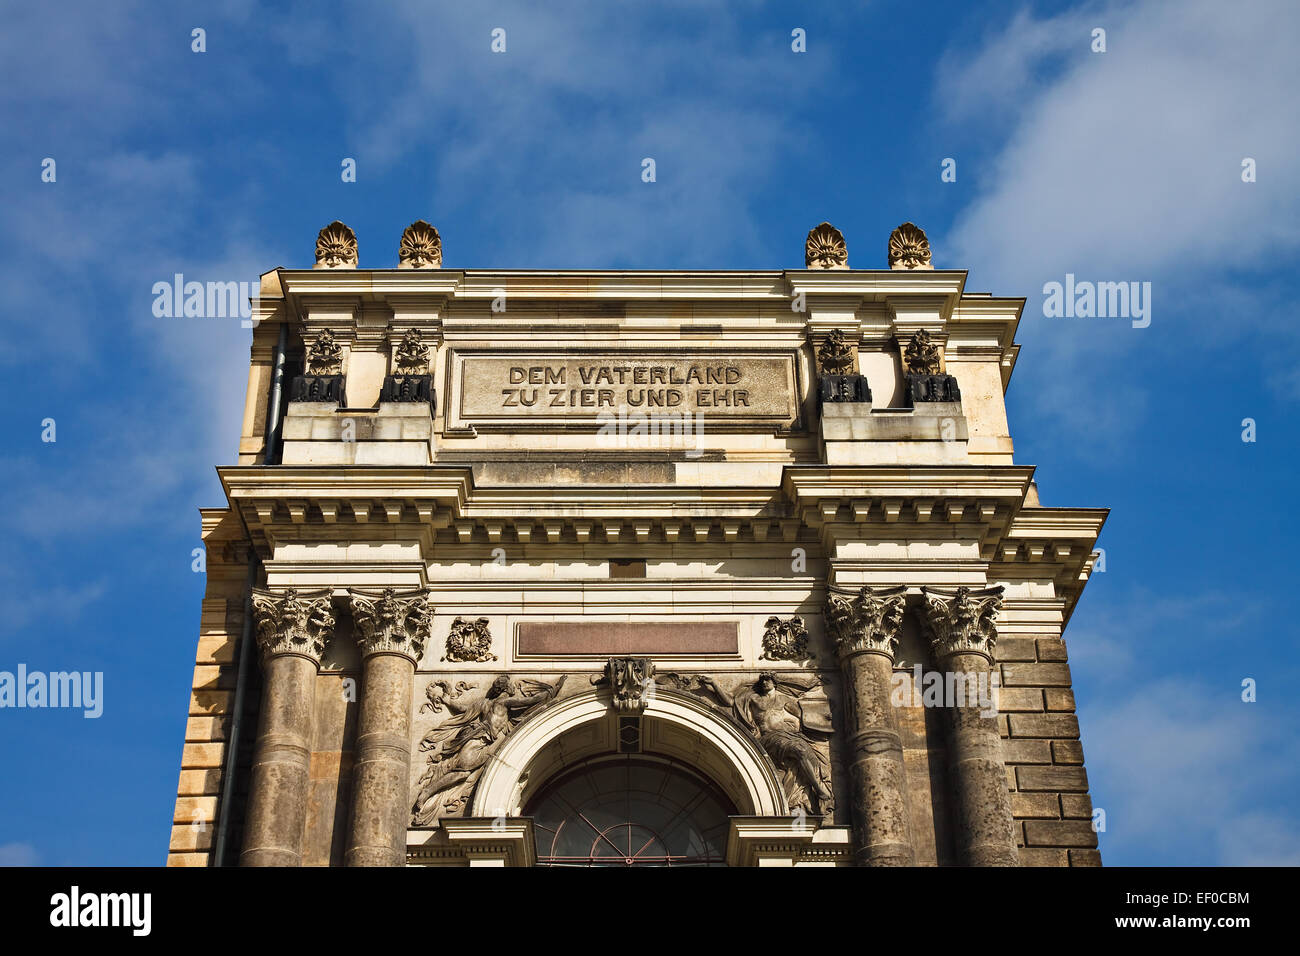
1129, 161
542, 145
1126, 165
1187, 772
18, 854
1182, 765
1260, 839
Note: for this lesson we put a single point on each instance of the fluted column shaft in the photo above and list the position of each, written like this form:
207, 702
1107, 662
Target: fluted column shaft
865, 630
291, 633
393, 630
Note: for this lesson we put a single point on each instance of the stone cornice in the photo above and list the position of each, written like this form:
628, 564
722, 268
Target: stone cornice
507, 839
838, 501
875, 284
286, 502
1052, 543
813, 482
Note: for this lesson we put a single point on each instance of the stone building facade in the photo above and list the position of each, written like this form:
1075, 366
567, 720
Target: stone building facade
633, 568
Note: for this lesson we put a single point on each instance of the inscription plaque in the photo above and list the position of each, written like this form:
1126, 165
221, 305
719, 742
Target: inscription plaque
570, 388
614, 638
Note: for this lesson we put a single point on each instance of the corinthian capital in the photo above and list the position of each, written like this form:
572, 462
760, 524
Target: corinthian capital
293, 622
962, 621
391, 622
868, 622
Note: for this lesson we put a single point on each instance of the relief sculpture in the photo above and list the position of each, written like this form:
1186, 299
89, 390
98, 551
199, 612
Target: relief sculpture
781, 714
461, 746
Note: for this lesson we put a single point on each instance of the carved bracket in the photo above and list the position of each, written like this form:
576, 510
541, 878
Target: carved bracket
631, 681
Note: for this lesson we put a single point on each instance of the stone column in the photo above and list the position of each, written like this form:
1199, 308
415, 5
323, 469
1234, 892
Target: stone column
292, 630
865, 630
392, 629
962, 637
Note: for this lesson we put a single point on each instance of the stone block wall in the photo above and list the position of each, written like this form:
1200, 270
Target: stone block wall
1043, 755
211, 699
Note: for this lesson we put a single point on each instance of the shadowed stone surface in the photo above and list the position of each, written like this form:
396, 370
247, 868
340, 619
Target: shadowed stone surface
277, 802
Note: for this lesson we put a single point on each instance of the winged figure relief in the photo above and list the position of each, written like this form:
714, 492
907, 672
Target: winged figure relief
460, 747
785, 715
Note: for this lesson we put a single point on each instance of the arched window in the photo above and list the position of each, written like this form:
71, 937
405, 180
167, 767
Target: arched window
630, 811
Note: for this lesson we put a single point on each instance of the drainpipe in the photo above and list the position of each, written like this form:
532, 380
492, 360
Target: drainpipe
271, 440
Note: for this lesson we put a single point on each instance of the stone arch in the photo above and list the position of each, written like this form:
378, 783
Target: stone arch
676, 725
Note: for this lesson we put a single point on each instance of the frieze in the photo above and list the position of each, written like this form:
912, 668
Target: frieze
462, 723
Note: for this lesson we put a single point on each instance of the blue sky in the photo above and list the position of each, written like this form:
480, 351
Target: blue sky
1115, 166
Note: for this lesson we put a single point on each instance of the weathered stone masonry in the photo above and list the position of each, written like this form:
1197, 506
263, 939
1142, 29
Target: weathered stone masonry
708, 533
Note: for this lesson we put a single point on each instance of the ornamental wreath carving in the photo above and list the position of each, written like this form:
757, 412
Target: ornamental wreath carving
470, 641
785, 640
